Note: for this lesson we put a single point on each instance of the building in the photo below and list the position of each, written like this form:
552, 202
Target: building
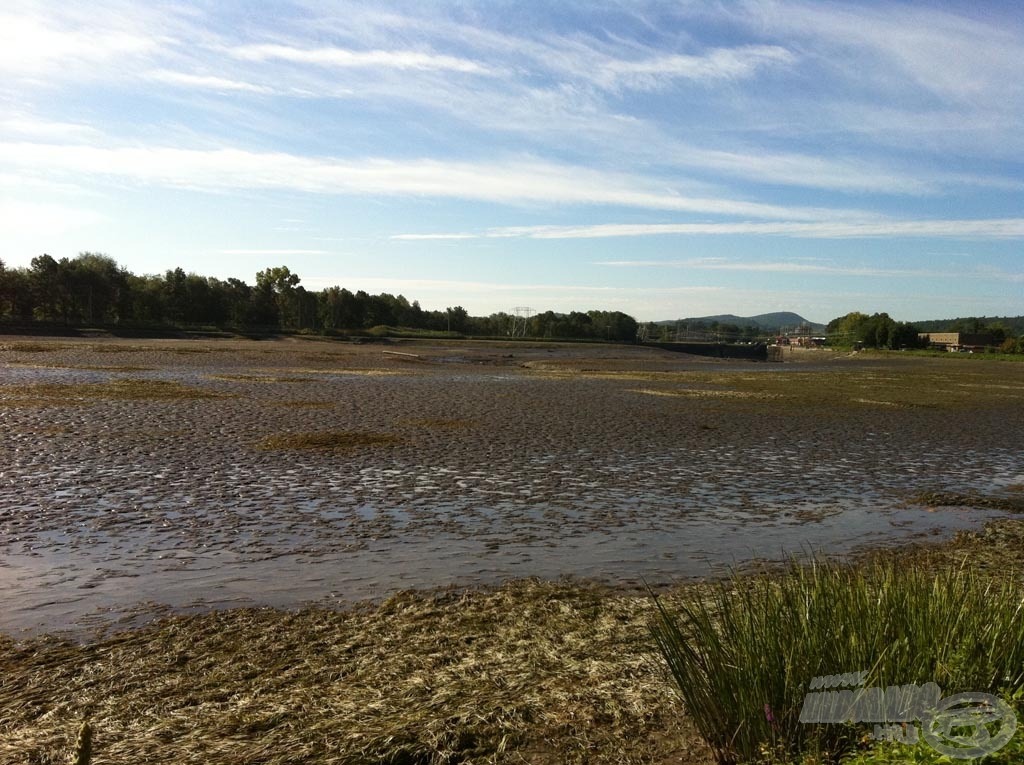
958, 341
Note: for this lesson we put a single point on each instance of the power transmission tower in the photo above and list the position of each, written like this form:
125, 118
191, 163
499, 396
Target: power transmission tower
520, 320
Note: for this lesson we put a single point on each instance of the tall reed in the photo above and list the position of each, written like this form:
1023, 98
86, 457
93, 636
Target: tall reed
744, 653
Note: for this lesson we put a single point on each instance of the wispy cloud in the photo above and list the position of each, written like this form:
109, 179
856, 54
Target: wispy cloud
992, 228
273, 252
31, 126
344, 58
210, 82
447, 285
514, 181
71, 43
802, 267
713, 66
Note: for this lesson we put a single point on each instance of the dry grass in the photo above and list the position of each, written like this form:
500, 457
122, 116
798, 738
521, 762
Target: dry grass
531, 672
328, 441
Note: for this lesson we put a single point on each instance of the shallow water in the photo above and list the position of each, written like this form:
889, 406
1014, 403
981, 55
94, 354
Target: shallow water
112, 504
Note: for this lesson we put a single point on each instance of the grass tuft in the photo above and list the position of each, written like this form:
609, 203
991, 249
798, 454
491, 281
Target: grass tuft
743, 653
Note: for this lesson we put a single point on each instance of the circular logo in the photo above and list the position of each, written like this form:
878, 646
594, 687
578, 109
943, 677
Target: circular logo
969, 725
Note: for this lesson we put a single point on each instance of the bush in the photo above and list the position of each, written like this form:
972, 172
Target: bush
744, 654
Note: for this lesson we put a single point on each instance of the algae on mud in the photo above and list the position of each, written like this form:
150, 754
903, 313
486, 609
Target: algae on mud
59, 394
328, 441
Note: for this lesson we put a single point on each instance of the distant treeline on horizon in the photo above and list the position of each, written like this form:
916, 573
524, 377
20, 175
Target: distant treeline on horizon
93, 290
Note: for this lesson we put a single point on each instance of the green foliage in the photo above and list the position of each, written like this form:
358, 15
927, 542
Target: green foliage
92, 289
876, 331
1012, 345
743, 654
597, 325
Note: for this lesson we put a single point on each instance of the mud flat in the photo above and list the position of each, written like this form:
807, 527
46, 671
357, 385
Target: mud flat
137, 476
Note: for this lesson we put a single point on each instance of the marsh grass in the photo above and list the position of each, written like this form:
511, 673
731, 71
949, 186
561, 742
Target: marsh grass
329, 441
743, 654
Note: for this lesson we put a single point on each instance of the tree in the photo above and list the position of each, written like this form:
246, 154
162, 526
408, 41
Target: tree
457, 319
95, 282
51, 289
275, 295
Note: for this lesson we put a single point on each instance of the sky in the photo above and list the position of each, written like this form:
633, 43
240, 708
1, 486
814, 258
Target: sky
666, 159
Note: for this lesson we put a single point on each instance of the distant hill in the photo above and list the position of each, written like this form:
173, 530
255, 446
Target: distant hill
1015, 324
768, 322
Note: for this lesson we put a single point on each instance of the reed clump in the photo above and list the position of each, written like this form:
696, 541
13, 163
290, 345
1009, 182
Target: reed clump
744, 653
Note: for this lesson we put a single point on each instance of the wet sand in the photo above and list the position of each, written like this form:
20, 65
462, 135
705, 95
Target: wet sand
141, 475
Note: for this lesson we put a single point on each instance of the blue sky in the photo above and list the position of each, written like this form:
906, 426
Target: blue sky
664, 159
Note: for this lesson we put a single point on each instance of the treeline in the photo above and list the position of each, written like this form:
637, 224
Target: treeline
1001, 326
93, 290
881, 331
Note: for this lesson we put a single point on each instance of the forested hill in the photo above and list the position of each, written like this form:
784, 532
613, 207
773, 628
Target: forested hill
768, 322
1014, 325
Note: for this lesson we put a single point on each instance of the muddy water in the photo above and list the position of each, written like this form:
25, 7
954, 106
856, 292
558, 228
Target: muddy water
110, 504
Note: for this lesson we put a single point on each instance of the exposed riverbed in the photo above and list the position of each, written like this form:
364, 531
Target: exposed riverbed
176, 474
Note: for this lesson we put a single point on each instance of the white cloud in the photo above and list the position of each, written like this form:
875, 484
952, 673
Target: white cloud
430, 237
70, 42
209, 82
36, 128
344, 58
985, 228
718, 64
510, 182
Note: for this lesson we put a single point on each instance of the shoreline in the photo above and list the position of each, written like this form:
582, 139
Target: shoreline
529, 671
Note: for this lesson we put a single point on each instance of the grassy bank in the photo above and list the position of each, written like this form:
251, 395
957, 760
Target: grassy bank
530, 672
